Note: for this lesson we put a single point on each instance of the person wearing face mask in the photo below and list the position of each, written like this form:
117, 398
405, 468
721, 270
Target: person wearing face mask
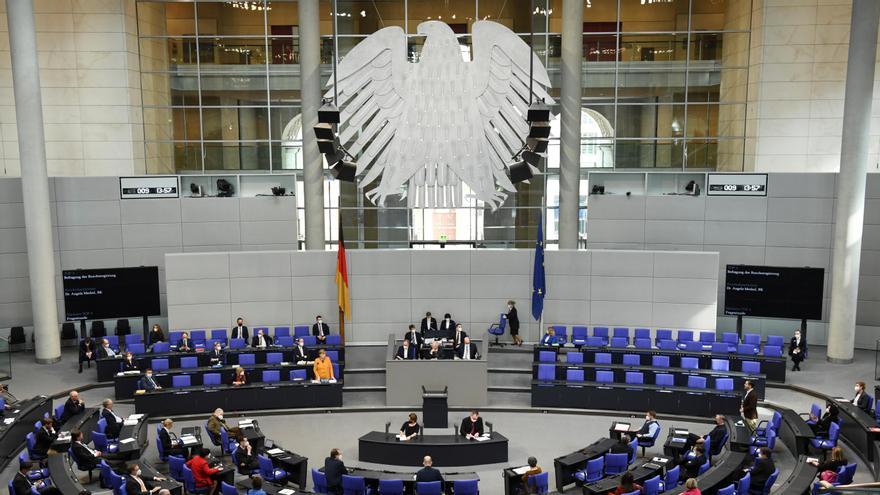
796, 350
415, 338
406, 351
239, 331
447, 327
216, 355
860, 400
138, 484
261, 341
216, 423
429, 325
320, 330
513, 323
650, 427
246, 457
821, 425
147, 382
106, 351
128, 363
156, 335
300, 353
468, 350
458, 337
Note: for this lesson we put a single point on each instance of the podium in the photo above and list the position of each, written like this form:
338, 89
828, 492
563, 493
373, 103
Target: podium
435, 408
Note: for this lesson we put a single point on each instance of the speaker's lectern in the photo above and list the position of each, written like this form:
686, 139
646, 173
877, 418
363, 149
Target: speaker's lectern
435, 408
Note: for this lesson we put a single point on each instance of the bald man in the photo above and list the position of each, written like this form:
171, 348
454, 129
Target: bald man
428, 474
73, 406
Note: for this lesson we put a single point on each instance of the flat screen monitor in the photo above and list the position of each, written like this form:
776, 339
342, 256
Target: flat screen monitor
774, 292
106, 293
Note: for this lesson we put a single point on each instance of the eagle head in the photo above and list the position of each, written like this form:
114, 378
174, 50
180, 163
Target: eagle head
430, 28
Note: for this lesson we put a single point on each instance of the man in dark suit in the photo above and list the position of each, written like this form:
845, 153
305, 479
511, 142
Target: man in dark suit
246, 457
300, 353
216, 356
406, 351
447, 327
239, 331
749, 406
415, 338
861, 398
320, 330
147, 382
428, 474
762, 470
114, 422
429, 325
185, 344
72, 406
86, 352
691, 466
44, 437
22, 485
796, 350
105, 351
715, 436
471, 426
170, 443
138, 484
622, 446
467, 350
820, 426
261, 341
458, 337
334, 468
87, 458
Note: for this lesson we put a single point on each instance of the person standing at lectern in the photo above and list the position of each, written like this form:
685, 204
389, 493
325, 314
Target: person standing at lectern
411, 428
468, 351
239, 331
447, 327
406, 351
749, 407
428, 474
796, 350
320, 330
429, 325
323, 368
415, 338
458, 337
471, 426
513, 323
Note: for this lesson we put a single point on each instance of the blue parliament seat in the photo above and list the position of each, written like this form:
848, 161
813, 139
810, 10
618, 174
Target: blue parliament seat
751, 367
189, 362
720, 347
690, 363
160, 347
497, 329
333, 340
635, 377
724, 384
667, 345
660, 361
540, 483
546, 372
189, 482
133, 338
301, 331
742, 487
772, 351
159, 364
619, 342
692, 345
282, 332
685, 336
237, 344
593, 341
113, 340
136, 348
768, 441
642, 343
653, 486
605, 376
271, 376
671, 479
429, 488
211, 379
616, 463
594, 471
310, 340
274, 358
574, 358
621, 332
707, 337
602, 333
319, 480
198, 337
775, 340
227, 489
696, 382
578, 335
770, 481
297, 375
219, 335
175, 467
721, 365
642, 333
284, 341
828, 442
390, 487
705, 467
178, 381
632, 359
353, 485
663, 334
727, 490
561, 333
664, 380
574, 375
602, 358
471, 487
247, 359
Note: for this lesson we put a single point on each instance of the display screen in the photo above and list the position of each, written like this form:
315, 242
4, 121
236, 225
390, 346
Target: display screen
104, 293
774, 292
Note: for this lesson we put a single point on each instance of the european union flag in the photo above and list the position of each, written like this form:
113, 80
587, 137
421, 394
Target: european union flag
539, 286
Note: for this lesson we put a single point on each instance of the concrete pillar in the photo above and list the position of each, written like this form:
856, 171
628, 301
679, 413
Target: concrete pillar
34, 179
313, 162
851, 180
570, 120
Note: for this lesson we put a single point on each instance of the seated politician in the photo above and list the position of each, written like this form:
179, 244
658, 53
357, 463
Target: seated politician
128, 363
22, 484
261, 341
300, 353
156, 335
203, 473
434, 352
334, 468
86, 457
415, 338
650, 427
86, 352
411, 428
171, 445
147, 382
216, 357
185, 344
715, 436
471, 426
323, 368
246, 457
44, 437
428, 473
761, 470
114, 421
217, 423
468, 350
820, 426
690, 467
138, 484
72, 406
240, 377
622, 446
406, 351
105, 351
549, 338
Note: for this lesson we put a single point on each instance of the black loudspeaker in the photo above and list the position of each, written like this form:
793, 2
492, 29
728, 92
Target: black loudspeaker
519, 172
328, 113
324, 131
344, 171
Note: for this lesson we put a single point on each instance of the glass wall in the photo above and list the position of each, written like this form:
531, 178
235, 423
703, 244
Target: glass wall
664, 87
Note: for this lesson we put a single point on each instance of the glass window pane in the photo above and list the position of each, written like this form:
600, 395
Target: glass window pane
247, 52
236, 123
160, 156
363, 17
702, 153
236, 156
735, 49
647, 121
731, 120
233, 18
639, 83
648, 15
165, 19
459, 14
653, 48
159, 124
233, 89
664, 153
730, 155
702, 120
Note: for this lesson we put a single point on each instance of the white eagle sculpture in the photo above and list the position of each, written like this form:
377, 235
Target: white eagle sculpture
440, 121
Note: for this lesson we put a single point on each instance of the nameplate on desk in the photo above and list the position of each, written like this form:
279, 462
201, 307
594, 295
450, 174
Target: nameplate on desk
135, 416
126, 440
130, 422
681, 432
661, 460
275, 451
520, 470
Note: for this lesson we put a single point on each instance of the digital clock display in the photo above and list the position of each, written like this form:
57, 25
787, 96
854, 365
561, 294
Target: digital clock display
736, 185
149, 187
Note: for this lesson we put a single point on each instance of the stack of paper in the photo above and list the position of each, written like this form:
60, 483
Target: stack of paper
130, 422
521, 470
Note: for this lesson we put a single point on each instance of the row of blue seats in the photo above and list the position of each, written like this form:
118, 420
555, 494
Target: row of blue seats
136, 345
244, 359
657, 361
605, 335
547, 373
357, 484
268, 376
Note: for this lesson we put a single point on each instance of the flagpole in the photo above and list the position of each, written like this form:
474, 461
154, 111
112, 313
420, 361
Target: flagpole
340, 245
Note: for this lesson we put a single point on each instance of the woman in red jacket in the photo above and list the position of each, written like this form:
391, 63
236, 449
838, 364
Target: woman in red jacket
202, 472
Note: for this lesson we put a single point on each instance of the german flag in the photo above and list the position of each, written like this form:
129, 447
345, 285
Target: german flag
342, 294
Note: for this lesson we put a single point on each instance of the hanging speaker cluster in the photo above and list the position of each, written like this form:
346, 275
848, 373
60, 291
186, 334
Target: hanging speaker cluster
525, 164
341, 167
